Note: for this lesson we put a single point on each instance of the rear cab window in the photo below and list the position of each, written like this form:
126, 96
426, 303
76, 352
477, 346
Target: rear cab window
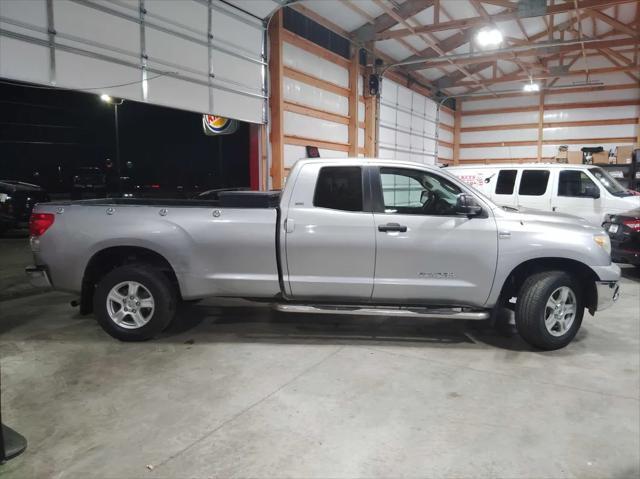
339, 188
534, 183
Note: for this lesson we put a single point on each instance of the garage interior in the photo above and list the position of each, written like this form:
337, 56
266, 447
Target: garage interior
232, 389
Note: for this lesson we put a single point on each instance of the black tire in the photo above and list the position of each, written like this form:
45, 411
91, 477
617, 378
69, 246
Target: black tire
156, 283
531, 306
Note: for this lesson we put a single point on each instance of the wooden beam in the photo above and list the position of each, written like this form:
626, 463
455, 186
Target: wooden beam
551, 124
457, 123
556, 106
317, 82
370, 129
533, 51
303, 141
540, 124
499, 17
502, 3
275, 100
305, 110
385, 21
569, 141
617, 25
540, 76
354, 78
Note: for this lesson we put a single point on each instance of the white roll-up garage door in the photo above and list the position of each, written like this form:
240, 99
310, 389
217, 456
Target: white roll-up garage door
205, 56
407, 125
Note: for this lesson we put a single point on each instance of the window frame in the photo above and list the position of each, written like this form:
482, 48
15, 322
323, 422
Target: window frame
378, 194
516, 182
366, 192
546, 189
584, 172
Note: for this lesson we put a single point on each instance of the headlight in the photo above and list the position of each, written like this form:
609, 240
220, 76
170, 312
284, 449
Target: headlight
603, 241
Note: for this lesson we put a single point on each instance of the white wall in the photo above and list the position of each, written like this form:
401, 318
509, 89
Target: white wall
558, 108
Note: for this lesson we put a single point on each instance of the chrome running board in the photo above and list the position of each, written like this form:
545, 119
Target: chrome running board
403, 312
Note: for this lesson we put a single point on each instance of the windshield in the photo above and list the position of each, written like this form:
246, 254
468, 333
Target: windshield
609, 182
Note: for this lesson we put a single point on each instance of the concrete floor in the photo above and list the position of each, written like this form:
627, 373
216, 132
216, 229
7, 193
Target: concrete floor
233, 392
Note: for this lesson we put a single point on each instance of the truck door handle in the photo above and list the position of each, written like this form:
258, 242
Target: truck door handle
392, 227
289, 225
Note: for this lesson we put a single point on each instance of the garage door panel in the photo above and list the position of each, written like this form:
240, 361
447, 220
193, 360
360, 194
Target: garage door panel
82, 72
236, 106
32, 12
87, 23
176, 50
233, 32
245, 74
99, 45
188, 16
31, 61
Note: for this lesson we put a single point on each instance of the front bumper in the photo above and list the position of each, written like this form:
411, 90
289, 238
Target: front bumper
608, 293
38, 276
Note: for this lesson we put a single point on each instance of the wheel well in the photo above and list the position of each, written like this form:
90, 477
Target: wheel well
585, 276
108, 259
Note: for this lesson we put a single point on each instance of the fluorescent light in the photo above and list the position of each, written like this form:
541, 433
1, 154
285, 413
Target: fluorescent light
489, 37
106, 98
531, 87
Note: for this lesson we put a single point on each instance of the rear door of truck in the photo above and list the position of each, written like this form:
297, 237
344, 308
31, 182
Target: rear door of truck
329, 233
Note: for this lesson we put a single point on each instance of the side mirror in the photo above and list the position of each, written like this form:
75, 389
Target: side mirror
467, 205
592, 191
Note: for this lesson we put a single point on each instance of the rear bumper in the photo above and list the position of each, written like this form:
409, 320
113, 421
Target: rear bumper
608, 293
38, 276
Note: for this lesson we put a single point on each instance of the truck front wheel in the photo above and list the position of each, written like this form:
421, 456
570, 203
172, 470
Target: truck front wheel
549, 310
134, 302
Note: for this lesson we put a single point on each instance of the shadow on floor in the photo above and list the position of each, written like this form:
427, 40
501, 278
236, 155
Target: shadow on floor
202, 323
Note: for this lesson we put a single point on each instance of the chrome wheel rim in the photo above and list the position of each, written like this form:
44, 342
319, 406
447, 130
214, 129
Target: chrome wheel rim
130, 305
560, 311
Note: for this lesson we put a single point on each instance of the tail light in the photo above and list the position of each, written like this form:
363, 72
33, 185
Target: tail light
39, 223
633, 224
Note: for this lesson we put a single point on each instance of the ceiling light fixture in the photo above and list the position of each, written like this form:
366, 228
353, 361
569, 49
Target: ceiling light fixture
529, 87
489, 37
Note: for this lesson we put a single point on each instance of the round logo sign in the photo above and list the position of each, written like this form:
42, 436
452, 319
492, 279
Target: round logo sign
218, 125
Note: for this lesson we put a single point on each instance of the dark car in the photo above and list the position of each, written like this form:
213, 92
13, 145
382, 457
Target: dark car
17, 199
624, 231
89, 182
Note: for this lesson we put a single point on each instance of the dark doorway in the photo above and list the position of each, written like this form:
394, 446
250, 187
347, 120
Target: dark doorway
54, 138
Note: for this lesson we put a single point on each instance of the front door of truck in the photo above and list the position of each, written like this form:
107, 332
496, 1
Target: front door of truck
426, 253
329, 237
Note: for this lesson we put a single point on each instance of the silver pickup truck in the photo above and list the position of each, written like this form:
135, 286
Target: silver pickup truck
347, 236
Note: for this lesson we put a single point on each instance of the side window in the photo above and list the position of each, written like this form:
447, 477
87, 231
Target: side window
416, 192
339, 188
575, 183
506, 182
533, 182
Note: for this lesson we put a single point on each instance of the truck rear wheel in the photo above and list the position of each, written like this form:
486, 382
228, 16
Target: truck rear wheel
549, 310
134, 302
